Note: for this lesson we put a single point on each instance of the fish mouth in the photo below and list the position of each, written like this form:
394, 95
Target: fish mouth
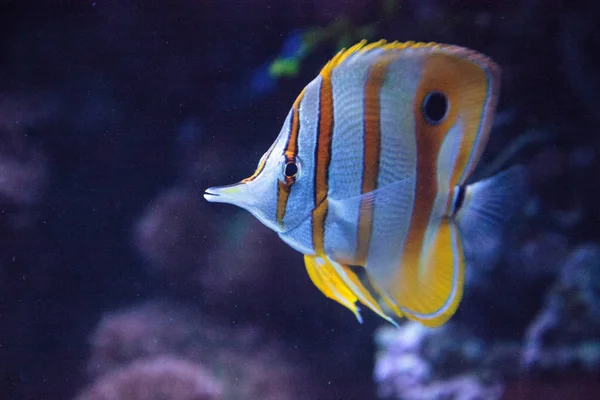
210, 194
232, 194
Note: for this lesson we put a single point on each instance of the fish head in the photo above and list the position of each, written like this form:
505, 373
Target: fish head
279, 191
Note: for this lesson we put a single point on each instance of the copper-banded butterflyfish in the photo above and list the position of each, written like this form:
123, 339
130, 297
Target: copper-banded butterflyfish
368, 177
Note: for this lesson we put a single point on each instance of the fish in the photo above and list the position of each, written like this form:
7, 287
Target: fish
368, 177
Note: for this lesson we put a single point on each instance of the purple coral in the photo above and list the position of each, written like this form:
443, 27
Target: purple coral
564, 334
419, 363
161, 378
148, 330
250, 363
23, 169
21, 177
174, 235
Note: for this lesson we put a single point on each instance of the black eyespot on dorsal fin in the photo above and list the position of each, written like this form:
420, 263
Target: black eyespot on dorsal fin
435, 107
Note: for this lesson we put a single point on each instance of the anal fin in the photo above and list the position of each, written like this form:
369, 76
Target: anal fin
340, 283
428, 289
327, 280
362, 293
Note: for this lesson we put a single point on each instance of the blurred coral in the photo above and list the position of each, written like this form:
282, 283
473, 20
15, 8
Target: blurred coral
565, 334
542, 256
144, 331
161, 378
249, 363
418, 363
175, 235
23, 167
22, 177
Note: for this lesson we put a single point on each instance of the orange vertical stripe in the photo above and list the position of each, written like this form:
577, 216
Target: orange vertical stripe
371, 153
322, 160
429, 139
283, 194
291, 148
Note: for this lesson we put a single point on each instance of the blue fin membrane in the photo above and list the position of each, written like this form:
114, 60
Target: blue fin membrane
488, 207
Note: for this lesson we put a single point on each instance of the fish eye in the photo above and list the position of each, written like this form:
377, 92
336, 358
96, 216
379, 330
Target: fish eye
291, 169
435, 107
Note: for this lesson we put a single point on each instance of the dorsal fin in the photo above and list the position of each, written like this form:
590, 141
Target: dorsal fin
363, 47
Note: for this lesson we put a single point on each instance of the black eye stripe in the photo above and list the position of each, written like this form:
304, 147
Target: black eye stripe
435, 107
291, 169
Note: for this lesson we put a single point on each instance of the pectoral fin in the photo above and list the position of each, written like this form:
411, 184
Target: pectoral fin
352, 222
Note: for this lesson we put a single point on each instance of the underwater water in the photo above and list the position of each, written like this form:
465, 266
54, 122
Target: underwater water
119, 281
